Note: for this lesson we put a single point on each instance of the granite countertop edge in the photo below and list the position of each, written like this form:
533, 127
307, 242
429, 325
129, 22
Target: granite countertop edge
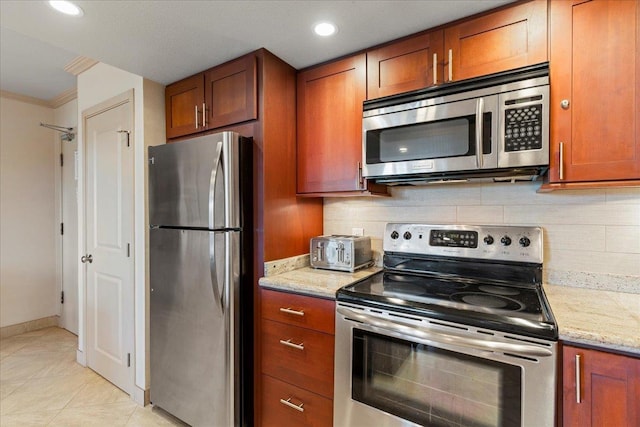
610, 315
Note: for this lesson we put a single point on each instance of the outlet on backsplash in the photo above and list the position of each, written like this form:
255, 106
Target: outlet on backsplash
357, 231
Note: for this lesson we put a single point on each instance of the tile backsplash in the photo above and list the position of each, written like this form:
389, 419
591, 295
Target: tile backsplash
592, 237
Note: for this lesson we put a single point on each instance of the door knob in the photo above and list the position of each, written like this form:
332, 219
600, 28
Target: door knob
87, 258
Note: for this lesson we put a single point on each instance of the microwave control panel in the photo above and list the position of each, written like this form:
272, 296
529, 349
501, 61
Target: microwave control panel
523, 126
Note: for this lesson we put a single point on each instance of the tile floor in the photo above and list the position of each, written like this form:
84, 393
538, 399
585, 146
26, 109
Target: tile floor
42, 385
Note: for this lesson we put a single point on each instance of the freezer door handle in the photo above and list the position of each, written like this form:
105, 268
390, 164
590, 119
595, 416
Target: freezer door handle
212, 267
212, 187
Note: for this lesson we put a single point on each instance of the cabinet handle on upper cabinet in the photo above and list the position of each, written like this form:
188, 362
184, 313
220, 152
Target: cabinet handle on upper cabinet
196, 117
288, 310
450, 65
288, 343
292, 405
204, 116
578, 379
435, 69
561, 160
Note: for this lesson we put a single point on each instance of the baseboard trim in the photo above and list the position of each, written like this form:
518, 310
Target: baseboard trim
80, 358
31, 325
140, 396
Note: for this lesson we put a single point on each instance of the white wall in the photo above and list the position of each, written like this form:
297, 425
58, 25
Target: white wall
592, 237
27, 213
100, 83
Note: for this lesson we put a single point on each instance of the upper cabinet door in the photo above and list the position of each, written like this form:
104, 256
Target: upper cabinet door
330, 101
595, 91
231, 92
506, 39
184, 101
409, 64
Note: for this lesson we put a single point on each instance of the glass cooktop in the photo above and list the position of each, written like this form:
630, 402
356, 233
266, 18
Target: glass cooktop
509, 308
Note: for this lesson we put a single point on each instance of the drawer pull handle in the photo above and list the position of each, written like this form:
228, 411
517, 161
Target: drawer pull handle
578, 378
292, 405
291, 311
292, 344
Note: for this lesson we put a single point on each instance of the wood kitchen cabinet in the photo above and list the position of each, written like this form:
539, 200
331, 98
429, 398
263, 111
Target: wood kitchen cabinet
184, 101
329, 122
230, 92
600, 389
297, 354
408, 64
221, 96
595, 93
508, 38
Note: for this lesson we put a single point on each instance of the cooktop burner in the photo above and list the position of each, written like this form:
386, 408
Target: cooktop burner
431, 271
488, 302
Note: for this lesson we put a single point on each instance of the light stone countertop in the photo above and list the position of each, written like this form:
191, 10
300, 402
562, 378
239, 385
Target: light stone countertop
606, 319
595, 317
315, 282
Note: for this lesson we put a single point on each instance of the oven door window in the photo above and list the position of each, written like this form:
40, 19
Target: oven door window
454, 137
434, 387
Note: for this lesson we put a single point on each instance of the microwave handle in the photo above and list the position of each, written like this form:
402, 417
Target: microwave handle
479, 131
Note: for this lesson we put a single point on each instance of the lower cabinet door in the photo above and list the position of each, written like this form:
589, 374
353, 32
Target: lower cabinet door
286, 405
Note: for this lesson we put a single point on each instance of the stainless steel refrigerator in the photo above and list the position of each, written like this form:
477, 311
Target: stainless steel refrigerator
200, 273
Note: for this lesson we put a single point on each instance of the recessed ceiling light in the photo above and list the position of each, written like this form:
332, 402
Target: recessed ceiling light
325, 29
66, 7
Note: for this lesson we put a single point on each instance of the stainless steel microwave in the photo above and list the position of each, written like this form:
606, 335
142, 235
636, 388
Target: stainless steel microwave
494, 127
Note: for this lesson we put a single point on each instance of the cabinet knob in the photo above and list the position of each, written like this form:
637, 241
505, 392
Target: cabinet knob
564, 104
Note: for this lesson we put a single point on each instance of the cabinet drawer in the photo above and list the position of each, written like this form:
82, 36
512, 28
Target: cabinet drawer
313, 409
298, 356
299, 310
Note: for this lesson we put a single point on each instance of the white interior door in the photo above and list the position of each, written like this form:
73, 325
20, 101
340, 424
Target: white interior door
109, 239
69, 215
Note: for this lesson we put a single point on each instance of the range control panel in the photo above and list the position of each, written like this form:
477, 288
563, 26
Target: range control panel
504, 243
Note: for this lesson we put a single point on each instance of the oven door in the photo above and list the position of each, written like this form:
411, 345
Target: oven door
400, 371
449, 136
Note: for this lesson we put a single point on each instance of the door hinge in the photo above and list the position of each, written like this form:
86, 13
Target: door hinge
62, 228
61, 159
128, 133
128, 360
128, 250
62, 297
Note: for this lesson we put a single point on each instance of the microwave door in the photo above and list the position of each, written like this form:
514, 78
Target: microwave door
439, 138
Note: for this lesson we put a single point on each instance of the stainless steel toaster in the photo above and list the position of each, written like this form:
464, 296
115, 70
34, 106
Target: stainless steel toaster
340, 252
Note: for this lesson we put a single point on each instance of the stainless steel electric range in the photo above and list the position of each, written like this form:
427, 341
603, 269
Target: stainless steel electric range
455, 331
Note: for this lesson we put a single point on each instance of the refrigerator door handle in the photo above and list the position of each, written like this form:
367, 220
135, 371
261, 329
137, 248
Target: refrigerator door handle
212, 269
212, 187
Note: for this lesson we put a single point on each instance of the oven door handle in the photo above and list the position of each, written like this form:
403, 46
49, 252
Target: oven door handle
451, 339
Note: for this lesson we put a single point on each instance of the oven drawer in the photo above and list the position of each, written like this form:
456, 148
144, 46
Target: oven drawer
279, 402
299, 310
298, 356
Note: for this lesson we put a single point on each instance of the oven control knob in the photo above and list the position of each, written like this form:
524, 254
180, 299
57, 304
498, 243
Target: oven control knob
506, 240
406, 235
488, 240
394, 235
524, 242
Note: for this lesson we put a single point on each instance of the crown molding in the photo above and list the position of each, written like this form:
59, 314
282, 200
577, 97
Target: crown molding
25, 98
79, 65
64, 97
58, 101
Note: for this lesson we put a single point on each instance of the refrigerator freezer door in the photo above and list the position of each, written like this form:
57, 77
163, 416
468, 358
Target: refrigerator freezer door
193, 344
195, 183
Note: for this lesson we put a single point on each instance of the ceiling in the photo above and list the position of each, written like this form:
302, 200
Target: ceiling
165, 40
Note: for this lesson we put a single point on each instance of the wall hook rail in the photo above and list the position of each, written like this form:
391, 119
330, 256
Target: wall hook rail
67, 133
